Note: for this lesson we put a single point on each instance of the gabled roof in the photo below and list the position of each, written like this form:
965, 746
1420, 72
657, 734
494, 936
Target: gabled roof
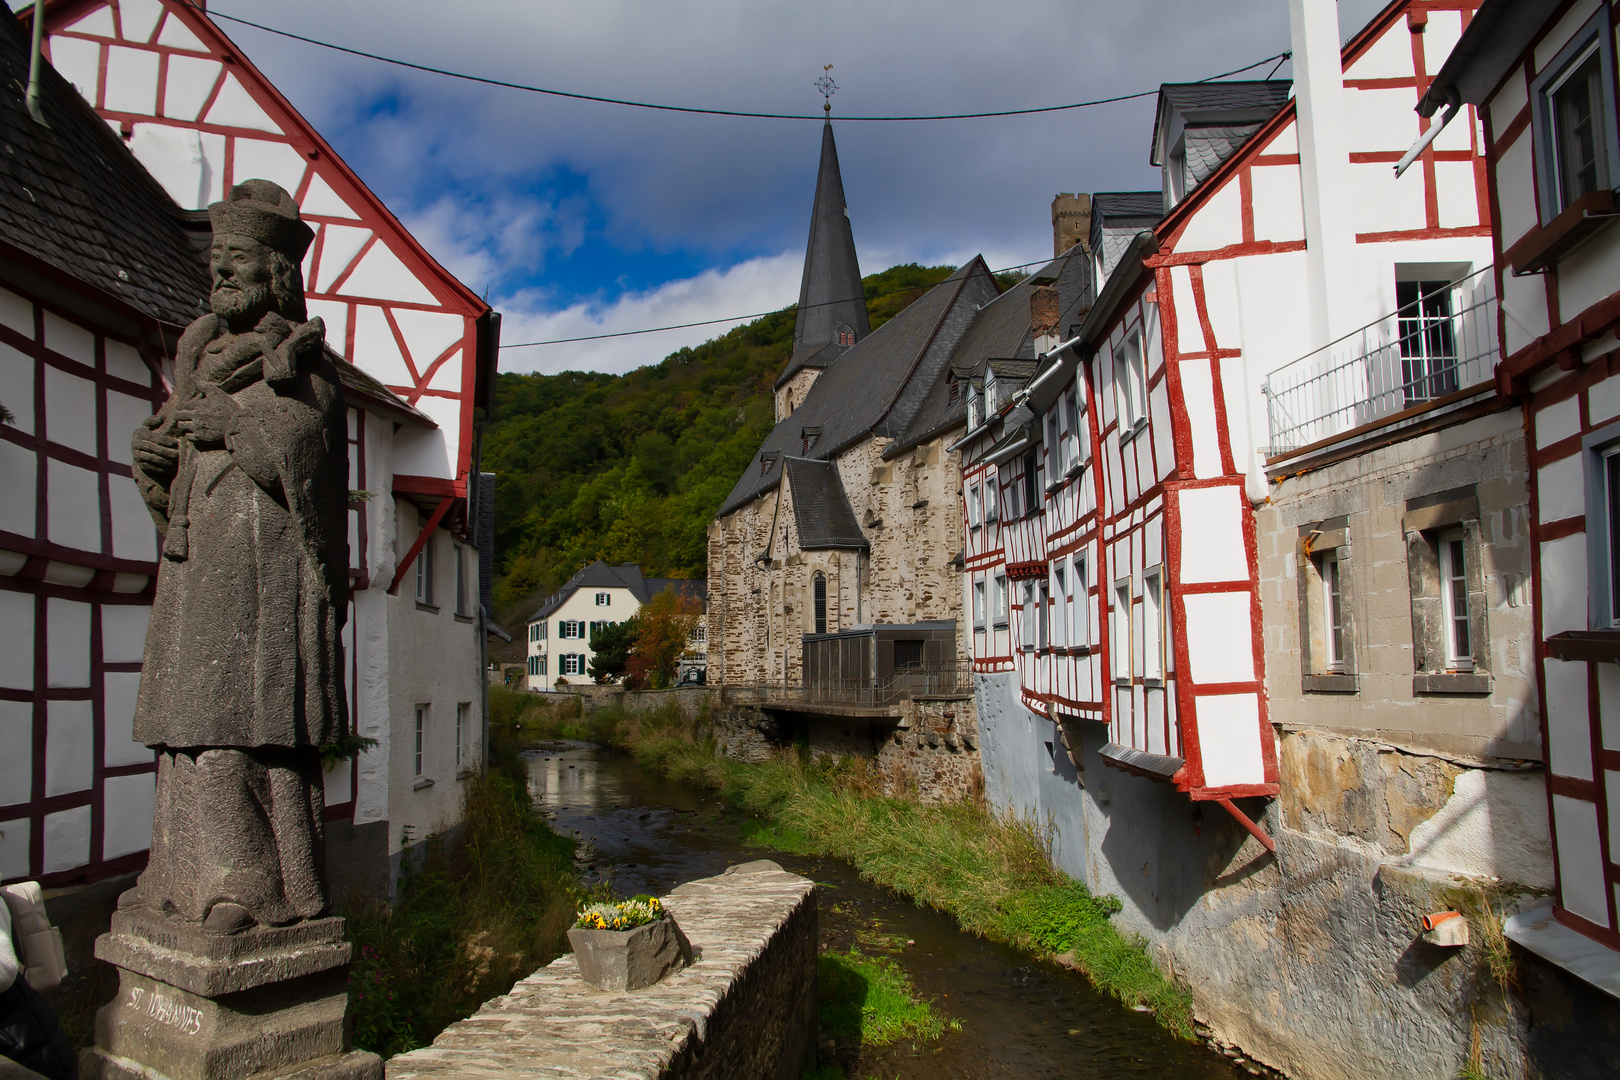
855, 396
599, 575
1114, 205
1247, 101
830, 293
821, 508
73, 197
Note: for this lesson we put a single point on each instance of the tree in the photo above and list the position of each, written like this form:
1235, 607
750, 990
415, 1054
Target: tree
611, 646
665, 624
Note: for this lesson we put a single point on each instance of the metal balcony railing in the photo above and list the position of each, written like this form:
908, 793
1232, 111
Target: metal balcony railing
1441, 341
934, 678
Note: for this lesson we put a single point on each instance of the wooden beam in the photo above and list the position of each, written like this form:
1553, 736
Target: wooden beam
416, 548
1254, 830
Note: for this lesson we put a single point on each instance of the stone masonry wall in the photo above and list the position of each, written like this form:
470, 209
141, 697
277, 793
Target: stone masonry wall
746, 1009
910, 512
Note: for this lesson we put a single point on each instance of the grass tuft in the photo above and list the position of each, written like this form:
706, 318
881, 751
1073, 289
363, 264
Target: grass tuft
870, 999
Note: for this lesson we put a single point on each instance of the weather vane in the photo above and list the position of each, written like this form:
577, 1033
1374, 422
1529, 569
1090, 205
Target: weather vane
827, 87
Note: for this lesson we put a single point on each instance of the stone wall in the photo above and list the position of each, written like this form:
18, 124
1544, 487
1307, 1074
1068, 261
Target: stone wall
910, 512
746, 1009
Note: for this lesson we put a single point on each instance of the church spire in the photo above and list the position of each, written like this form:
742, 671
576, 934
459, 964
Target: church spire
832, 310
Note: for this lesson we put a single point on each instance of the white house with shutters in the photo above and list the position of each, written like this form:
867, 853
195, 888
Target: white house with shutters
197, 117
559, 651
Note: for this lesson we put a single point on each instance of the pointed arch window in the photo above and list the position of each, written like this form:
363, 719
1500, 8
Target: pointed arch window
820, 586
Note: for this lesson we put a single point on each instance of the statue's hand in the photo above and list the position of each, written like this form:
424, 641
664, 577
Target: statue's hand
207, 419
156, 452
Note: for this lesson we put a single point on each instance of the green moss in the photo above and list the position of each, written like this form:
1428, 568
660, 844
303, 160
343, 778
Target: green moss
870, 1000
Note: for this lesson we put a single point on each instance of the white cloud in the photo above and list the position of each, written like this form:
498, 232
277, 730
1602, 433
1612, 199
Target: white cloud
763, 284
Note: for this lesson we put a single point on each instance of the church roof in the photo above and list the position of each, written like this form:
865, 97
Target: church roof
830, 294
820, 506
73, 197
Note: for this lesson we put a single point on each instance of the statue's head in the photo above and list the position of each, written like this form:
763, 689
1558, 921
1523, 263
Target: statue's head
259, 241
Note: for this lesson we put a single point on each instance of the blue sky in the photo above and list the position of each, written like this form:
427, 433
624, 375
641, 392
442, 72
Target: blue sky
583, 218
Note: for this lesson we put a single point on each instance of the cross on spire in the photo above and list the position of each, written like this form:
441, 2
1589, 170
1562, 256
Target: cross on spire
827, 87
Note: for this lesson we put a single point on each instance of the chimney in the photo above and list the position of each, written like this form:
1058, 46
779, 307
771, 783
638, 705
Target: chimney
1071, 222
1334, 305
1043, 313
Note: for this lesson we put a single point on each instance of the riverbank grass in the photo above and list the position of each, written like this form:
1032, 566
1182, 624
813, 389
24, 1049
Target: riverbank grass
990, 873
869, 999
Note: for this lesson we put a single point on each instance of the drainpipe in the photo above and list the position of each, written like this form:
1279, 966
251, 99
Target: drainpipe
35, 59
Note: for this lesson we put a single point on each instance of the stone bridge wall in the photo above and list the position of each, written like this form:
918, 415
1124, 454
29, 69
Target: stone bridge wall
746, 1009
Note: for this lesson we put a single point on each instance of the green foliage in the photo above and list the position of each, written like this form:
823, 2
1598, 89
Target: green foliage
611, 647
348, 748
632, 468
474, 919
870, 999
1052, 917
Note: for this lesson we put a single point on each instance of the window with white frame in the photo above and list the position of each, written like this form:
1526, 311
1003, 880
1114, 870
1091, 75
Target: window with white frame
1062, 600
1574, 114
424, 573
1130, 382
1014, 488
978, 605
1119, 630
570, 628
1001, 600
537, 665
573, 664
975, 407
421, 737
1153, 624
1043, 601
604, 599
1334, 614
1072, 437
974, 507
1054, 443
1454, 600
1026, 615
1080, 610
992, 497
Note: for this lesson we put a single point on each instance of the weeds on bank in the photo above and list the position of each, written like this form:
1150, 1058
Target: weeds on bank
991, 873
870, 1000
476, 917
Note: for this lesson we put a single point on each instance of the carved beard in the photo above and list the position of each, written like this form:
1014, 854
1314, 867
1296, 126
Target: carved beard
234, 301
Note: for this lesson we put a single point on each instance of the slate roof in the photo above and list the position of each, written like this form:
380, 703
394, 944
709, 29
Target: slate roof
830, 293
599, 575
1116, 218
75, 198
887, 373
1210, 144
1109, 205
1209, 102
820, 506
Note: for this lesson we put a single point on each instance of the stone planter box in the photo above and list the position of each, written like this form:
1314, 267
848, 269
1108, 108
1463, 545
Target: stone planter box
630, 959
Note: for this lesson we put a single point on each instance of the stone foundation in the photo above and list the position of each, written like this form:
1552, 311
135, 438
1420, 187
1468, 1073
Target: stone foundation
745, 1009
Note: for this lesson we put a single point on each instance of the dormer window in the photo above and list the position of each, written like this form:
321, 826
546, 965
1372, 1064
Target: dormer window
974, 410
955, 388
766, 461
808, 437
846, 336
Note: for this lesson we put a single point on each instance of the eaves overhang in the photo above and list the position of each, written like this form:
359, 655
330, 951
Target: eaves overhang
1120, 282
1495, 39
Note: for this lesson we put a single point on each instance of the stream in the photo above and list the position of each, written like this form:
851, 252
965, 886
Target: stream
1019, 1016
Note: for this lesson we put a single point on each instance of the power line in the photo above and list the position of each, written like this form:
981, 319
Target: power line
740, 318
505, 84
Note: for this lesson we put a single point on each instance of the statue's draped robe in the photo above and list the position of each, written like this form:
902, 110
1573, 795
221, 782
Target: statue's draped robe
243, 672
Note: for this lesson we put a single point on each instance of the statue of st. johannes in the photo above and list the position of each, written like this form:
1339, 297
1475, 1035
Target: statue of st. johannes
245, 469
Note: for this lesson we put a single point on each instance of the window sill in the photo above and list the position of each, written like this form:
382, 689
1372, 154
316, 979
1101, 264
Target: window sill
1074, 470
1541, 246
463, 618
1127, 434
466, 773
1589, 645
1539, 932
1338, 683
1452, 682
433, 608
421, 782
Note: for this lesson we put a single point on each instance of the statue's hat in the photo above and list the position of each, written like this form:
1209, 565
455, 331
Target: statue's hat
262, 210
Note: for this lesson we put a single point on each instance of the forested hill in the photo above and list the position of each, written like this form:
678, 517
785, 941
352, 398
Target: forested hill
631, 468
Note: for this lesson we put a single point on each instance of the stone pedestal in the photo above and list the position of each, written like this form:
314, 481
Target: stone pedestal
264, 1003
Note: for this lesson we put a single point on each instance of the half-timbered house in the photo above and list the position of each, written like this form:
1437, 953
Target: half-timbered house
193, 116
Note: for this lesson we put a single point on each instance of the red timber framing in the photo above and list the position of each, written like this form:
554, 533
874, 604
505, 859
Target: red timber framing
202, 117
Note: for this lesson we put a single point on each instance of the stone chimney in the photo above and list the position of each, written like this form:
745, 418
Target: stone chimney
1071, 222
1043, 312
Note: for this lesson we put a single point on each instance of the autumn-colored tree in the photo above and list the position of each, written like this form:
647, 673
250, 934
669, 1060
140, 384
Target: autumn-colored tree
664, 624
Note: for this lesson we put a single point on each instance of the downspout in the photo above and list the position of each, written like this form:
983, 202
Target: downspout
35, 60
1453, 106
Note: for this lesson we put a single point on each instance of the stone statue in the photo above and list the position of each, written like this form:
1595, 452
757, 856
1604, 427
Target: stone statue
245, 469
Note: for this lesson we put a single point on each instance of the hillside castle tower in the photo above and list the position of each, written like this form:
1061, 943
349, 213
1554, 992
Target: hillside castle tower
832, 308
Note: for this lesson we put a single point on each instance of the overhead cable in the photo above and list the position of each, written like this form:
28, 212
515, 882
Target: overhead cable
508, 85
743, 318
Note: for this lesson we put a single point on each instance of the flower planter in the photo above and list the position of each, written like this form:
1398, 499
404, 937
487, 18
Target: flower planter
630, 959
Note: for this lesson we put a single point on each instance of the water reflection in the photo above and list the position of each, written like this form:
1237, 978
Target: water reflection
1019, 1017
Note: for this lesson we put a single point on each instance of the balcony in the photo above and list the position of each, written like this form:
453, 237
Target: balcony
862, 697
1437, 350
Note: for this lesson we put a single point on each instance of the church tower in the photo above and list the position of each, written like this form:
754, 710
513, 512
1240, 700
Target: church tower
832, 309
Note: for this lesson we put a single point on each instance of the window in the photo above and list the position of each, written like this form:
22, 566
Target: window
1001, 600
955, 387
1153, 625
700, 634
1454, 601
1574, 118
537, 665
1054, 445
421, 735
534, 631
1080, 626
908, 654
1060, 614
1032, 482
463, 721
573, 664
1130, 383
424, 573
570, 628
1026, 615
1043, 601
975, 408
973, 506
992, 499
1428, 340
459, 553
604, 599
1014, 488
808, 437
1333, 614
1119, 630
1609, 463
541, 627
820, 589
1071, 426
978, 605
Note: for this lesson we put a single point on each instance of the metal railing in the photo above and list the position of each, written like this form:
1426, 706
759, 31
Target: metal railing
1433, 346
934, 678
